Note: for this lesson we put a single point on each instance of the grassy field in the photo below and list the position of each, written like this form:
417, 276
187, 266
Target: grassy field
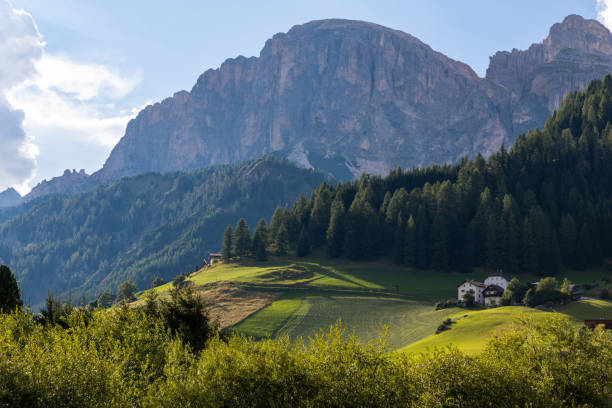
371, 297
470, 329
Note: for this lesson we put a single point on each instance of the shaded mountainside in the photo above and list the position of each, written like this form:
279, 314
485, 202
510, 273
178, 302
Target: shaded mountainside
544, 204
9, 198
349, 97
141, 227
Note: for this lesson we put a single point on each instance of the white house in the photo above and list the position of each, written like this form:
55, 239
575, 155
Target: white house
473, 287
487, 293
492, 295
498, 280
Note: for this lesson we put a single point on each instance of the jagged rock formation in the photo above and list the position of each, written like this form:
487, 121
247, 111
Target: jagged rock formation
68, 183
344, 96
575, 52
348, 97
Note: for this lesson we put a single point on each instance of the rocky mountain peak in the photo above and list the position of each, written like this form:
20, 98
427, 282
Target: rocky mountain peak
348, 97
575, 32
9, 198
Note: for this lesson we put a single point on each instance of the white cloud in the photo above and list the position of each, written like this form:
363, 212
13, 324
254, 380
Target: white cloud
73, 98
52, 100
20, 47
604, 12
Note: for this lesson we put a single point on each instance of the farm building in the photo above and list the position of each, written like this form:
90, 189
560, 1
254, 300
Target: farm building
487, 293
214, 258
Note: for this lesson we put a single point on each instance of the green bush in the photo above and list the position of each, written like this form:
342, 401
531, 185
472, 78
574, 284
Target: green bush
124, 357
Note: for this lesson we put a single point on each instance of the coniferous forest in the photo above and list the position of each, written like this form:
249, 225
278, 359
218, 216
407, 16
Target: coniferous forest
543, 204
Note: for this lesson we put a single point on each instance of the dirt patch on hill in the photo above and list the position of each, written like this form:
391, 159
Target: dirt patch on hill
291, 272
230, 304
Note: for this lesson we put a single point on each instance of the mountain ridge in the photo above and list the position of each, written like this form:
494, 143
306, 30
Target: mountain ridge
348, 97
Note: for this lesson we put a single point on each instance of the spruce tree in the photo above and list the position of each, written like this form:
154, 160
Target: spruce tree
585, 247
319, 216
10, 296
398, 240
227, 245
282, 241
260, 241
530, 249
242, 238
335, 231
303, 245
410, 243
439, 243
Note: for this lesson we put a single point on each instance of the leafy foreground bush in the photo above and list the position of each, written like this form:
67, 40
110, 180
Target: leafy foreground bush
125, 358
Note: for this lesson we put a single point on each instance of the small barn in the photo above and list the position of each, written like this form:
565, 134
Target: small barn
214, 258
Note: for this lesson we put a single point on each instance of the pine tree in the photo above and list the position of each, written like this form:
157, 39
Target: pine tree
335, 231
439, 243
275, 222
260, 241
319, 216
530, 250
282, 241
422, 258
10, 296
584, 247
410, 243
398, 239
513, 235
242, 238
303, 245
227, 245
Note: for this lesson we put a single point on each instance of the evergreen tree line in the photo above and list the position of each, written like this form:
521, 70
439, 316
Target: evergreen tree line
141, 227
545, 203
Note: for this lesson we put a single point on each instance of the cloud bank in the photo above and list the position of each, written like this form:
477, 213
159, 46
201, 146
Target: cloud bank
20, 47
604, 12
50, 103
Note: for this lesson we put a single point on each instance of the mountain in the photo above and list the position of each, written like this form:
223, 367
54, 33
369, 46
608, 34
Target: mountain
141, 227
70, 182
535, 80
544, 204
9, 198
349, 97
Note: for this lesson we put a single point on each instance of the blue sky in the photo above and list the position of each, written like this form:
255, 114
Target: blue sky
102, 61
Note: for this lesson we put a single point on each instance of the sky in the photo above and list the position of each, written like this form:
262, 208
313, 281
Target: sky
73, 74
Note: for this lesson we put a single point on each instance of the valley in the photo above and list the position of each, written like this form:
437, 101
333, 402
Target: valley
368, 298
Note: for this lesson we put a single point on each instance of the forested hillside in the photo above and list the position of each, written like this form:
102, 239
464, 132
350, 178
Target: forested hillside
141, 227
545, 203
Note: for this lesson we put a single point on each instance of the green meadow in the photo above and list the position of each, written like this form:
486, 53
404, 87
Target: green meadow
373, 299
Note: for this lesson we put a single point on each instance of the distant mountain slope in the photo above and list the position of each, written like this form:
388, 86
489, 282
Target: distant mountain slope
350, 97
9, 198
141, 227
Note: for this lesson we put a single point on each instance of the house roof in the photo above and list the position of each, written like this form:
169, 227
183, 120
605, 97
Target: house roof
496, 275
498, 290
473, 282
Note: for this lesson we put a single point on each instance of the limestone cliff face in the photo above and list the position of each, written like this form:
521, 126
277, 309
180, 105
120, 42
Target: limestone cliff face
337, 94
535, 80
350, 97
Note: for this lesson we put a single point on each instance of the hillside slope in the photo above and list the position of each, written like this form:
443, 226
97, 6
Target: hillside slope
299, 297
141, 227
